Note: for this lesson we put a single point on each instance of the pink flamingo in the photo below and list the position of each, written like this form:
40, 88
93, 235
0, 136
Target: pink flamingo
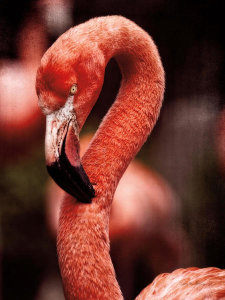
20, 118
68, 84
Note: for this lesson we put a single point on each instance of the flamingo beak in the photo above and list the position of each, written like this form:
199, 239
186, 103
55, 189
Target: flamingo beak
62, 155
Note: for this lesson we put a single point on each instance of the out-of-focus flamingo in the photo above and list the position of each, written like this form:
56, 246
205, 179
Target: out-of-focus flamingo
68, 84
144, 225
20, 117
57, 15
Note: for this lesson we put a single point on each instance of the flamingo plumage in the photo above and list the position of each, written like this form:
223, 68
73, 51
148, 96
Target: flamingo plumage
68, 84
144, 216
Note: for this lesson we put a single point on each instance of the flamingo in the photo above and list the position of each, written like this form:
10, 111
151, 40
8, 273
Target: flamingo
21, 121
68, 84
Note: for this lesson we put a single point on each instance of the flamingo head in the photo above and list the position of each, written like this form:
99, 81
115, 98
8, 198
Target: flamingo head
68, 83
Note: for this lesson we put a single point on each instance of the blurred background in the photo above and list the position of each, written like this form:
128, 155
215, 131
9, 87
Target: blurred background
187, 146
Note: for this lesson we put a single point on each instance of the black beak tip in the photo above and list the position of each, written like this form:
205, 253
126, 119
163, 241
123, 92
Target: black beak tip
72, 180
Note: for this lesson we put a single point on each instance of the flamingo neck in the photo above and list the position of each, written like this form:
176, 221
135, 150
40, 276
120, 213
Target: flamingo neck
83, 252
83, 241
133, 115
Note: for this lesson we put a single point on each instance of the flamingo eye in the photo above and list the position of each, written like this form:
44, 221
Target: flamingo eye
73, 89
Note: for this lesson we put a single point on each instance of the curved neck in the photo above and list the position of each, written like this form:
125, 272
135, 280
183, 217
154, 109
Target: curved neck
132, 116
83, 242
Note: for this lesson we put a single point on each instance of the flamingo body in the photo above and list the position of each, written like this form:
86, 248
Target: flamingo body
19, 110
191, 283
144, 225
